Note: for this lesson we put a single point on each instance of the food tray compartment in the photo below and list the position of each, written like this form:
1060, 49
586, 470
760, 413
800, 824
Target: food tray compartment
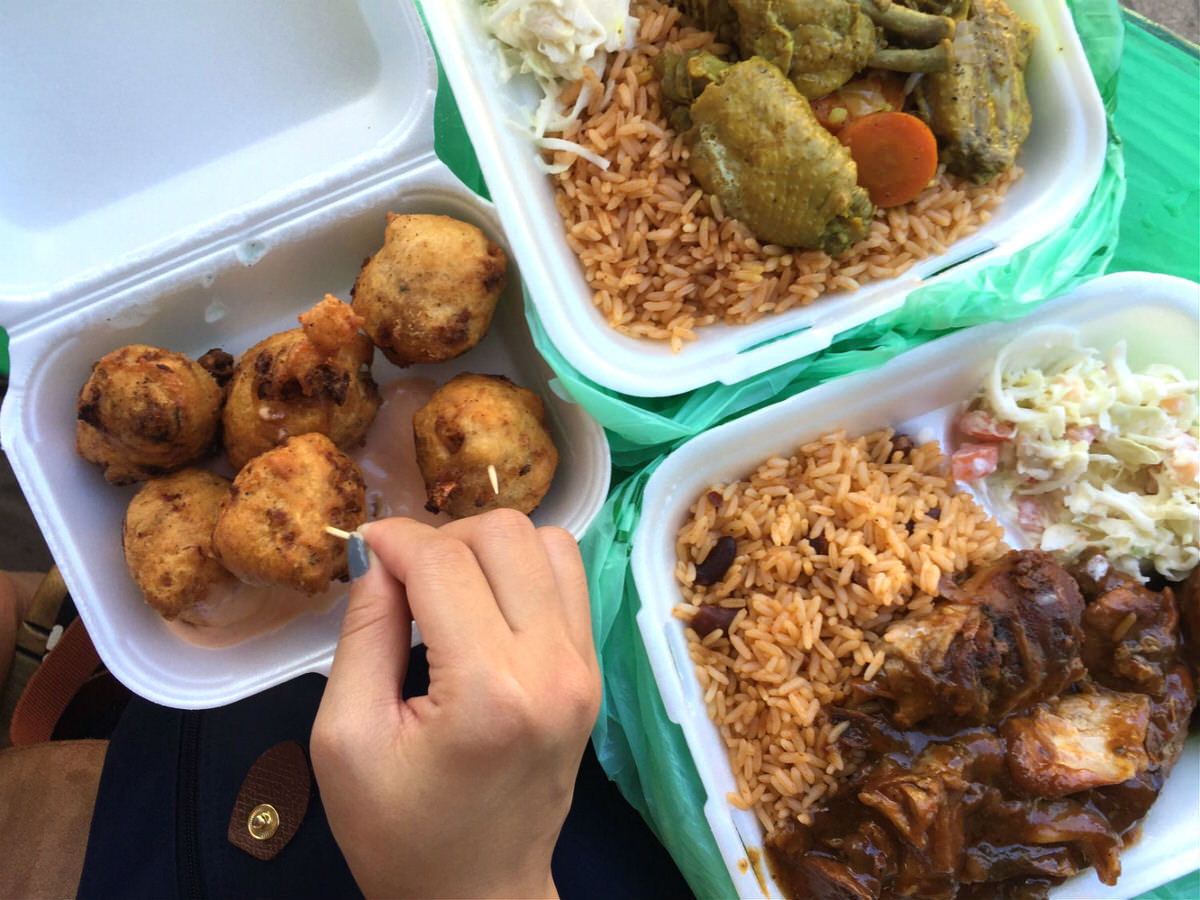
1062, 159
231, 301
919, 393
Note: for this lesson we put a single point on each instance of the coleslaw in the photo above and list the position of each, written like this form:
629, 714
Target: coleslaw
554, 40
1083, 452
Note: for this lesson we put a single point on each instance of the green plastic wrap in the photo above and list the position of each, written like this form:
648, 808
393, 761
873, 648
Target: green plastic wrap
1161, 129
1185, 888
642, 428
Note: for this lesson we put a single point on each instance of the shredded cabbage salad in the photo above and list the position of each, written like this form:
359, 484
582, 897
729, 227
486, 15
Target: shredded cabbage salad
1085, 452
554, 40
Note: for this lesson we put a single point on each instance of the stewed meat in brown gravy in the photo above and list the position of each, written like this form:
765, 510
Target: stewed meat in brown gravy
1016, 735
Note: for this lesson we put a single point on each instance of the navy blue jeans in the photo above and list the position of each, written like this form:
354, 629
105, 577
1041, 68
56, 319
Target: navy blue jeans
172, 776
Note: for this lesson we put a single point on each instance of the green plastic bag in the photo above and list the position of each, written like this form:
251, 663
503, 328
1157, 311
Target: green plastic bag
642, 428
1161, 128
638, 746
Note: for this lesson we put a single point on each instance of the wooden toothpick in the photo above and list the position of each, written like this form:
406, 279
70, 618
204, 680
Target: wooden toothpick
337, 532
495, 480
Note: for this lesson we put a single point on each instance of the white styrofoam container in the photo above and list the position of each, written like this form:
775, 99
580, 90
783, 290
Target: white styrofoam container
220, 254
1062, 159
919, 393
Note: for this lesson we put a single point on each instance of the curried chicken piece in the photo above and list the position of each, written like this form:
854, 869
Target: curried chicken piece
821, 44
145, 411
315, 378
955, 9
1077, 742
979, 109
755, 143
1008, 637
716, 16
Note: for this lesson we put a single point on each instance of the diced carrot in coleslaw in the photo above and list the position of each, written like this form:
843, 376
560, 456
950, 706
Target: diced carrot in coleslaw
1031, 515
971, 462
983, 426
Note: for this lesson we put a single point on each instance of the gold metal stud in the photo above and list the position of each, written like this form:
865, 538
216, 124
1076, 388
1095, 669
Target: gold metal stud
264, 822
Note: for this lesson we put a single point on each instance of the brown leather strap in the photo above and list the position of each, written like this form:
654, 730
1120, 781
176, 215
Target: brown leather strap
272, 801
43, 611
52, 685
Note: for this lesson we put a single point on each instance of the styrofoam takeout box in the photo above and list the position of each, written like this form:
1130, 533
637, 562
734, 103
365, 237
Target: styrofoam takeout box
306, 142
1062, 159
918, 393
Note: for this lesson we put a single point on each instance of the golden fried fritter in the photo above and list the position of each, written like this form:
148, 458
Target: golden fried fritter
429, 293
271, 526
315, 378
167, 537
145, 411
474, 421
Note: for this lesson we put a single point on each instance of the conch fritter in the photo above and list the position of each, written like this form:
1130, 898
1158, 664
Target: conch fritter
167, 538
429, 293
315, 378
145, 411
270, 528
476, 421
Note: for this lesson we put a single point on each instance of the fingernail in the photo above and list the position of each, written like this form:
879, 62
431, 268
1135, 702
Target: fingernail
358, 556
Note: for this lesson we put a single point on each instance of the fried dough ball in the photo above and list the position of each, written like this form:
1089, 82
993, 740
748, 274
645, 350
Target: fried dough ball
315, 378
271, 526
145, 411
474, 421
167, 538
429, 293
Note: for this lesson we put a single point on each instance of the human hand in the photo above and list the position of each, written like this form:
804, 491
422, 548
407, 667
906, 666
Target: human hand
463, 791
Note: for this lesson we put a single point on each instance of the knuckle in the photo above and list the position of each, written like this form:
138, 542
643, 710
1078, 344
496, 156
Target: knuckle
516, 714
558, 538
443, 553
504, 521
581, 694
326, 743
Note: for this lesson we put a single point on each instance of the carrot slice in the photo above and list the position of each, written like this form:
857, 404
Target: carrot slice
896, 155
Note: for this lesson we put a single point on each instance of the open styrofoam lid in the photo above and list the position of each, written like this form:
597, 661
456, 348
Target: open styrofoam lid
134, 131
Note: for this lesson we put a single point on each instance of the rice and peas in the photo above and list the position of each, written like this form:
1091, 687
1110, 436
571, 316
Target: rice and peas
662, 259
833, 544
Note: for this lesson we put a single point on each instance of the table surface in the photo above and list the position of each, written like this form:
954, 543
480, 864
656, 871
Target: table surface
1179, 16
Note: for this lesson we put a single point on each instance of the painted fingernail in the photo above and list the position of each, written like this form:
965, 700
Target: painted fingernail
358, 556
